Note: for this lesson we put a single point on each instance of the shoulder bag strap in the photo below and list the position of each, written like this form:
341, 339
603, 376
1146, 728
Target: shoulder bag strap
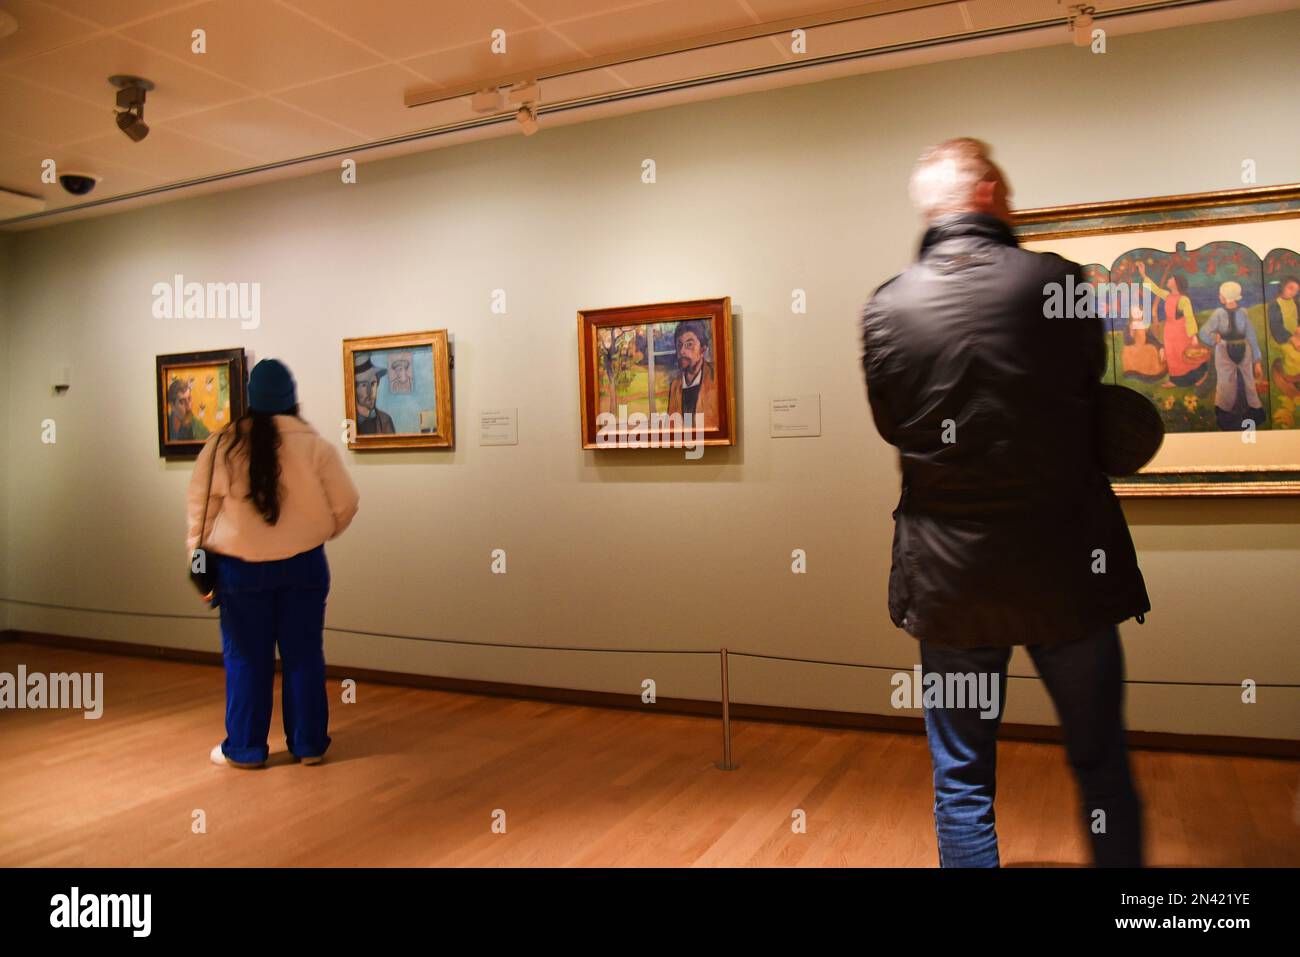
207, 496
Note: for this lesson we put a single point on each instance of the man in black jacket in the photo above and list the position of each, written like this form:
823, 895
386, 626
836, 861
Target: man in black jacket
1007, 532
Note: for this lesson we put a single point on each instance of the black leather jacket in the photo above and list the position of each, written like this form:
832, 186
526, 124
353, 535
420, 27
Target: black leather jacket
1007, 532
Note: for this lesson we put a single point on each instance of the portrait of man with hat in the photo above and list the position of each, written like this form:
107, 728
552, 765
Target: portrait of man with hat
371, 420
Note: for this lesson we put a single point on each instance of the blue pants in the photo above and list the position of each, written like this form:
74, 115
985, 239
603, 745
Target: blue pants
265, 604
1085, 679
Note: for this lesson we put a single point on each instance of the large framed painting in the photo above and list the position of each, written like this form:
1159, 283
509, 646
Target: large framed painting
1200, 309
657, 376
198, 393
397, 391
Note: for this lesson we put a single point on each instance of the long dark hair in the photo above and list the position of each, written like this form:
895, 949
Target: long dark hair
263, 438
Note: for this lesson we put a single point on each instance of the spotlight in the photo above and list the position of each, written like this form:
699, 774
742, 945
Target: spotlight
527, 117
131, 91
132, 126
1081, 22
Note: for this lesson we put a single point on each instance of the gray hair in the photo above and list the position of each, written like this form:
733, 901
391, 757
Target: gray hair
945, 176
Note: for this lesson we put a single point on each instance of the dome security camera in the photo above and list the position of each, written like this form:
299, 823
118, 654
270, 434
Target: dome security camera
78, 184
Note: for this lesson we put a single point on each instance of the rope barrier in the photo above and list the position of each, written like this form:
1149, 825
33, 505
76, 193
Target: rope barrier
626, 651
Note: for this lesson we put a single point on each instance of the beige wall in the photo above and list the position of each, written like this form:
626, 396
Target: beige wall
756, 196
6, 453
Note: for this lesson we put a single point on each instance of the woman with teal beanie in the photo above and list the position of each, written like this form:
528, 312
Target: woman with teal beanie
278, 492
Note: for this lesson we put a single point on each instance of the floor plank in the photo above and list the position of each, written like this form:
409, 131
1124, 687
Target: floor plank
414, 777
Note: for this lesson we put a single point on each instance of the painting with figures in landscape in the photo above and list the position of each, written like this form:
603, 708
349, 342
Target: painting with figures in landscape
1210, 332
657, 375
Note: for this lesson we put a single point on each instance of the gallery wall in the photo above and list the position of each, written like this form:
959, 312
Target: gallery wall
6, 352
756, 196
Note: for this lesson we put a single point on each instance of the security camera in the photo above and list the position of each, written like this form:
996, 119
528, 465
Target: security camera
78, 184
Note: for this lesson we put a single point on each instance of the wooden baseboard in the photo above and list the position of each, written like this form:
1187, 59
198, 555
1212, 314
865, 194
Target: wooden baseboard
853, 720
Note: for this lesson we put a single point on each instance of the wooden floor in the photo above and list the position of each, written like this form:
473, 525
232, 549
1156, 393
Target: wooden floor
414, 776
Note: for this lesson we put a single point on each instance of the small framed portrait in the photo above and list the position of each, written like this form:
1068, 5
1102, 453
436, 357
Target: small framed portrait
198, 394
657, 376
397, 391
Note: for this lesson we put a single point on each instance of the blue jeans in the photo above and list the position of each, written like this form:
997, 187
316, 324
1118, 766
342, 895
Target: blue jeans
265, 604
1085, 679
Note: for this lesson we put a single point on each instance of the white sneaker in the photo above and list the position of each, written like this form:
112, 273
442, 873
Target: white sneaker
314, 760
218, 757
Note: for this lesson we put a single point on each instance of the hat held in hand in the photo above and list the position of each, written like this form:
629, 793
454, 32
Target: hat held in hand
1129, 430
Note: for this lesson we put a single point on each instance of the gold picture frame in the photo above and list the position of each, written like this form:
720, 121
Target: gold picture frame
634, 361
1190, 240
198, 393
401, 386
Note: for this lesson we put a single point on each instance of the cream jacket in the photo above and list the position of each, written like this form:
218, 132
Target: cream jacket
317, 497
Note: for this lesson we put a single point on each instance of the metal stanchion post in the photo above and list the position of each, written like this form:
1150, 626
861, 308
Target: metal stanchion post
726, 764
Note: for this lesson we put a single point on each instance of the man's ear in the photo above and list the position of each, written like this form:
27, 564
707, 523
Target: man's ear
984, 195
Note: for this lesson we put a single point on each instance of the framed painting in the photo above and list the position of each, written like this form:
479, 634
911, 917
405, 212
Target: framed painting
1201, 317
657, 376
397, 391
198, 393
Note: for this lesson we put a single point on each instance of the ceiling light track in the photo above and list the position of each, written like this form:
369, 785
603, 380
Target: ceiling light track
851, 55
756, 31
616, 96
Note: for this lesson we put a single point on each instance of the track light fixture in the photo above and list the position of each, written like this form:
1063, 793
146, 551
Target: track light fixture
131, 91
527, 91
485, 101
527, 117
1081, 24
522, 96
527, 94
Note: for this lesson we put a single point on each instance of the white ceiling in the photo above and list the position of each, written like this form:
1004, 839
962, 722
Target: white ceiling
282, 79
